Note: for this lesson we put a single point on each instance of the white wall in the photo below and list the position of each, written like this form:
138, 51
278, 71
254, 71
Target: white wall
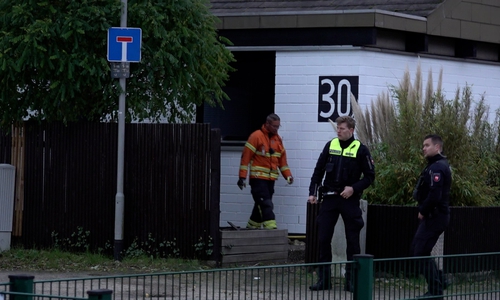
296, 103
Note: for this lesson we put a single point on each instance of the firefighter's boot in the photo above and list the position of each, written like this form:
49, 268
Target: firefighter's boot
271, 224
253, 225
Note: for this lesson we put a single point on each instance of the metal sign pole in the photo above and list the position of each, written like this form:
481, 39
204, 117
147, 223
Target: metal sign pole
120, 197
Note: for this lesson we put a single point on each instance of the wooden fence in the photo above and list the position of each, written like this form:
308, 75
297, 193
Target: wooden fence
171, 186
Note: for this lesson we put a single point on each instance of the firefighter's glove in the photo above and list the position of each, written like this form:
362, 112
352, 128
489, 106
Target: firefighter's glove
242, 183
289, 180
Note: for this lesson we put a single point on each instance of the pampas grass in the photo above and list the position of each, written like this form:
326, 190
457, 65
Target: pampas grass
397, 121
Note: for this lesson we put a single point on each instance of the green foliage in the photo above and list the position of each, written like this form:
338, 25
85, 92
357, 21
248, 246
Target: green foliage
394, 180
204, 249
395, 130
108, 248
78, 242
53, 60
150, 248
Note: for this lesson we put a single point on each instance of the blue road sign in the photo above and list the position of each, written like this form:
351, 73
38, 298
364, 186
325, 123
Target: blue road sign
124, 44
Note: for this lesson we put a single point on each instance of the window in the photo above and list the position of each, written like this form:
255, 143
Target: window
251, 90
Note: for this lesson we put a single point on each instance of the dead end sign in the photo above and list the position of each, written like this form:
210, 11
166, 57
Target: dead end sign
124, 44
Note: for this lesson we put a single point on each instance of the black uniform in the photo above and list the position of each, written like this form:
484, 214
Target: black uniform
341, 171
433, 195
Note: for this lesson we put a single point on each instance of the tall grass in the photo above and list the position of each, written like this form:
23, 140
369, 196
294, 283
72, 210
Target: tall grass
394, 127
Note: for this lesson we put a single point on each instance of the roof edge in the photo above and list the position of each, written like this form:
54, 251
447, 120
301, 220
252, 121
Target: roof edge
322, 12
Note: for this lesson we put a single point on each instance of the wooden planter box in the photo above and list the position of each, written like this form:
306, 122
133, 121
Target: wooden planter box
252, 246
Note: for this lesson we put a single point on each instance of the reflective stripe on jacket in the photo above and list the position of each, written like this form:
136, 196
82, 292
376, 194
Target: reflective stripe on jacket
257, 154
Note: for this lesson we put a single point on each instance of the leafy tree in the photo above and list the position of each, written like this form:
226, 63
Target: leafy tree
394, 129
53, 62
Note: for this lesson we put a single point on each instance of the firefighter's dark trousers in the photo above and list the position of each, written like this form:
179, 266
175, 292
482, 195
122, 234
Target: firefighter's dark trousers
262, 193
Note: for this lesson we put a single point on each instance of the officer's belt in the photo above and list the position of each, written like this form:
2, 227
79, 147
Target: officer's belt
331, 193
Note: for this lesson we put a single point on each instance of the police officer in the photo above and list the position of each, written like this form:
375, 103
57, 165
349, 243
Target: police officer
433, 195
344, 160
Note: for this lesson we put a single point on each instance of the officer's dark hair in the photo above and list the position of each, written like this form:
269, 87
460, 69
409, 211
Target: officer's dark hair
272, 117
436, 139
351, 123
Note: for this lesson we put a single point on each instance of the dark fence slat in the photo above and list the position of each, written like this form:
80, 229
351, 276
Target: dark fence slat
214, 186
5, 147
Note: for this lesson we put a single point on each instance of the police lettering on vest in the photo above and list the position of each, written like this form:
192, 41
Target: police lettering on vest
350, 151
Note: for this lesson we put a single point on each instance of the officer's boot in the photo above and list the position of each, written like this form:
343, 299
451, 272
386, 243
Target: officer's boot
444, 279
349, 283
349, 286
324, 279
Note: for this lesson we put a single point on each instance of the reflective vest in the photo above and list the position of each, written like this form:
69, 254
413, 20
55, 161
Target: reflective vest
350, 151
342, 168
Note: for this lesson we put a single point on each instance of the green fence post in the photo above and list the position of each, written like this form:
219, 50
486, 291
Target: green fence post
100, 294
21, 284
364, 277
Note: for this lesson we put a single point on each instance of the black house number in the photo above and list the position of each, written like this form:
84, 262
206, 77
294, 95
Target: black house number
334, 97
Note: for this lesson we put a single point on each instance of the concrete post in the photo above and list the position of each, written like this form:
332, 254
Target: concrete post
7, 188
339, 242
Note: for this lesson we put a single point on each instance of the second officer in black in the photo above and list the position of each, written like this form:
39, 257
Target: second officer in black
433, 195
347, 168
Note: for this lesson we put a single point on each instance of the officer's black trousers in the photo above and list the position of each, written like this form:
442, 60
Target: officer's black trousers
427, 234
331, 208
262, 193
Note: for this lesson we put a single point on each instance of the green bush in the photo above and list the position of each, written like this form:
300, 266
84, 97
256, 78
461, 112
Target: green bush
394, 128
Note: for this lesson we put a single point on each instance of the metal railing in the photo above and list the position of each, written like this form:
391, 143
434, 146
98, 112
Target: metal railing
467, 276
21, 287
471, 276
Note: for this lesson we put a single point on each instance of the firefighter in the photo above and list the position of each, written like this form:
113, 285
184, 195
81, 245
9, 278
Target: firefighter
265, 154
347, 168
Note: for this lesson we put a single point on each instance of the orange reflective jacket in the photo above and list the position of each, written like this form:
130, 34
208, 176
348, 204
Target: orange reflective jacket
264, 162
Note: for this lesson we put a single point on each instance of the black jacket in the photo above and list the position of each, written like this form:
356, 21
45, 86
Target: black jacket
433, 187
343, 171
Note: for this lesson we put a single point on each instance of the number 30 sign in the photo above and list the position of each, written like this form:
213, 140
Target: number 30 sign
334, 97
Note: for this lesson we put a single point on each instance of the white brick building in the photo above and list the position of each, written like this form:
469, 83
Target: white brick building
284, 61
